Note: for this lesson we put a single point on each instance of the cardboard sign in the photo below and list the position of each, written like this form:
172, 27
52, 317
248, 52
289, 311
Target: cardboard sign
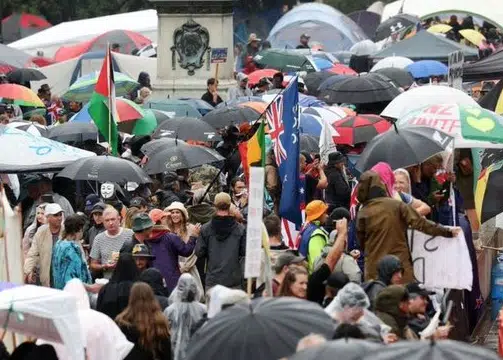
254, 225
456, 60
441, 262
218, 55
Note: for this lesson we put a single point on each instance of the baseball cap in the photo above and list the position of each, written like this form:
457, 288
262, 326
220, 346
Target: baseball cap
337, 280
142, 222
91, 200
141, 250
156, 215
99, 207
222, 198
53, 209
416, 289
138, 202
287, 258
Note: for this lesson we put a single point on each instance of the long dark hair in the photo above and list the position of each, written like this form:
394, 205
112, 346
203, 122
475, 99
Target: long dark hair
125, 270
289, 280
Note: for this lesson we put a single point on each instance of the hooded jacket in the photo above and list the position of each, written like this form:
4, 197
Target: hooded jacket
338, 192
222, 243
387, 266
154, 278
387, 309
382, 224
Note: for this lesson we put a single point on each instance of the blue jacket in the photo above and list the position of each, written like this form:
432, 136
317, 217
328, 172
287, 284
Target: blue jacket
68, 264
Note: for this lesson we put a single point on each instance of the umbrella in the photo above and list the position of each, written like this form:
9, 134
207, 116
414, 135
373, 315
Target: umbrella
83, 88
359, 129
368, 21
239, 100
231, 115
488, 200
364, 47
406, 147
202, 106
24, 75
186, 128
72, 132
431, 350
156, 145
173, 107
30, 127
343, 349
399, 62
424, 96
145, 125
309, 100
439, 28
329, 82
328, 115
362, 89
259, 107
265, 329
21, 151
309, 143
450, 118
473, 36
180, 155
313, 80
284, 60
105, 168
21, 95
310, 124
255, 76
400, 77
340, 69
394, 25
427, 68
20, 25
160, 115
322, 64
126, 109
480, 124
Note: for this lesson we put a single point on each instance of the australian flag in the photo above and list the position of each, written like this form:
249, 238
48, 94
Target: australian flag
283, 120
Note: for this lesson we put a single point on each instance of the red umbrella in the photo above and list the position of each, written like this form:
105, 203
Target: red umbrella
359, 129
341, 69
255, 76
17, 26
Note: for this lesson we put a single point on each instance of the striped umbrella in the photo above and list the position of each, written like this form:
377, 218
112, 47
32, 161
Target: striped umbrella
83, 88
30, 127
140, 126
21, 95
359, 129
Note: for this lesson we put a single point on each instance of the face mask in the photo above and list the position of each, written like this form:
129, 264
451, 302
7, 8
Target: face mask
107, 190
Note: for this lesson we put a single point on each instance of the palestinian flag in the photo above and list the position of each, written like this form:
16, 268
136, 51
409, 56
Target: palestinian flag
102, 106
253, 151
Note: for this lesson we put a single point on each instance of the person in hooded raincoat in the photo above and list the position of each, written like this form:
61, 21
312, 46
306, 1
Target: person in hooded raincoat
390, 272
184, 312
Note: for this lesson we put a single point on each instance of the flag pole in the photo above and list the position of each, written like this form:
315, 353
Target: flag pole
109, 100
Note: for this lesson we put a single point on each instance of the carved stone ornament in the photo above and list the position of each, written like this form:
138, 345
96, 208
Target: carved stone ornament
191, 42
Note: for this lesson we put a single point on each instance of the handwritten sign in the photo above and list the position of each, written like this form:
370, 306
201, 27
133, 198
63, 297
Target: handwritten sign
441, 262
456, 60
441, 117
254, 225
218, 55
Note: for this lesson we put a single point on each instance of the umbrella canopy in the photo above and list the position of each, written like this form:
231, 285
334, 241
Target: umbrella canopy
173, 107
359, 129
20, 25
403, 148
480, 124
330, 81
488, 201
472, 36
231, 115
30, 127
361, 89
328, 115
364, 47
266, 329
126, 109
82, 89
11, 58
255, 76
157, 145
21, 76
285, 60
394, 25
309, 100
202, 106
400, 77
186, 128
310, 124
34, 153
431, 350
343, 349
240, 100
367, 20
309, 143
145, 125
341, 69
427, 68
72, 132
440, 28
398, 62
488, 68
105, 168
424, 96
180, 155
21, 95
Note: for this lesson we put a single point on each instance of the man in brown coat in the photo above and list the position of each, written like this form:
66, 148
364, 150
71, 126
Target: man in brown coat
382, 225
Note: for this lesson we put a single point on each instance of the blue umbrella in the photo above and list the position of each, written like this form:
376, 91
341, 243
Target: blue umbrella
174, 107
310, 101
202, 106
427, 68
82, 116
322, 64
310, 124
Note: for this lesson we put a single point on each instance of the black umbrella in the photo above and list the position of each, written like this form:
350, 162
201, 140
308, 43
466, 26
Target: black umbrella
367, 20
395, 25
432, 350
362, 89
105, 168
329, 82
403, 148
156, 145
265, 329
309, 143
24, 75
400, 77
186, 128
313, 80
160, 115
74, 132
343, 349
231, 115
180, 155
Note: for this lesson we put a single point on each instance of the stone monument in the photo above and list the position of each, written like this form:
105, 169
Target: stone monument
195, 43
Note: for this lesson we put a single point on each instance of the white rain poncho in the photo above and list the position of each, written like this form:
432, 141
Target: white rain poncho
183, 313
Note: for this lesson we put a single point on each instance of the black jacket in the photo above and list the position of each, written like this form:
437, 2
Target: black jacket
208, 97
223, 243
113, 298
139, 352
154, 278
338, 192
166, 198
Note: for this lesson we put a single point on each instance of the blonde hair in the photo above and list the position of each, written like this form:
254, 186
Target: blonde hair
130, 214
407, 176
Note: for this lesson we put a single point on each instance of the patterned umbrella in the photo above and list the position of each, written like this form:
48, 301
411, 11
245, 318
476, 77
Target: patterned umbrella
144, 125
359, 129
20, 25
21, 95
30, 127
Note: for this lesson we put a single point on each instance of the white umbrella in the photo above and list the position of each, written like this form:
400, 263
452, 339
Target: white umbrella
365, 47
424, 96
329, 115
398, 62
30, 127
21, 151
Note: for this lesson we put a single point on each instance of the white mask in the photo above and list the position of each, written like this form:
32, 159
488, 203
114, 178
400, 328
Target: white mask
107, 190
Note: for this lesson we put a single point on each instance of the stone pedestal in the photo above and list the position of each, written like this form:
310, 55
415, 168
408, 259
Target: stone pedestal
188, 31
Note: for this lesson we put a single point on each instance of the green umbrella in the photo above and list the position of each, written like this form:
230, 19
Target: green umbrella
285, 60
173, 107
144, 126
480, 124
83, 88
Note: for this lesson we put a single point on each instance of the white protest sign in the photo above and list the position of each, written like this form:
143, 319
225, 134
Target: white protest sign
327, 144
254, 225
456, 60
441, 262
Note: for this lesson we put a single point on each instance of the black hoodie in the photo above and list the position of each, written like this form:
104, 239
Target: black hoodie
387, 266
222, 243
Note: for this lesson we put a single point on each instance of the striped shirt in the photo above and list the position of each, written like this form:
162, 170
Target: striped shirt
104, 245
